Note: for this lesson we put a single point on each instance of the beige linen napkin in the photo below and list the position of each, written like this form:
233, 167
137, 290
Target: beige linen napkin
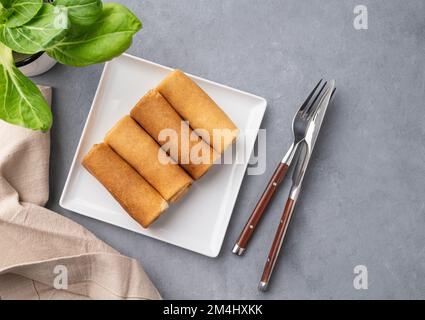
44, 255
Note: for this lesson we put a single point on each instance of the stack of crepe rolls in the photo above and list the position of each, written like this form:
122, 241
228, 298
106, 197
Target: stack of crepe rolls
166, 126
174, 134
196, 107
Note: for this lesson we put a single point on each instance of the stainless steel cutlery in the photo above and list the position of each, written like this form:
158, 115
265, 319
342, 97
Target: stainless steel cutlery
306, 126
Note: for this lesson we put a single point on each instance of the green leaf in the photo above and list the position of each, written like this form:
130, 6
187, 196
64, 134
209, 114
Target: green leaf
82, 12
110, 36
4, 14
45, 29
21, 11
21, 102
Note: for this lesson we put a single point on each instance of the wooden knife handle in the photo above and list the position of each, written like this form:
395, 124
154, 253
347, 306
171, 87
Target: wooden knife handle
277, 244
261, 206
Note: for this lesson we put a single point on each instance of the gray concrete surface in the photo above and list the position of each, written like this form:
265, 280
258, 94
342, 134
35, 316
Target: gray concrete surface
363, 200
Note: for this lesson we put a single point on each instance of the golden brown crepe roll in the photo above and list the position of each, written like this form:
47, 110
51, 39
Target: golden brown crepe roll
195, 106
133, 193
138, 148
156, 116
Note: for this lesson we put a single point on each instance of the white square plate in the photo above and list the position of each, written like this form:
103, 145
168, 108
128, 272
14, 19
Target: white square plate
199, 221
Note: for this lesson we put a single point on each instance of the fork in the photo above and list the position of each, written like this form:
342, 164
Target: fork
299, 127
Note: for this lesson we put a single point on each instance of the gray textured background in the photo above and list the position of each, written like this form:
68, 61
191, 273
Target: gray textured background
363, 200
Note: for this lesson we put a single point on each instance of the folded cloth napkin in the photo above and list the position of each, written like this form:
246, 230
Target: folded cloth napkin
44, 255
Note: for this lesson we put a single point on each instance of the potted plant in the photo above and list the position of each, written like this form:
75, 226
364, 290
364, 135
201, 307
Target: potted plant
73, 32
33, 65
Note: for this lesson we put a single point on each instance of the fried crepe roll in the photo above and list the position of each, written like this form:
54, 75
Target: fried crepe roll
138, 148
157, 116
142, 202
195, 106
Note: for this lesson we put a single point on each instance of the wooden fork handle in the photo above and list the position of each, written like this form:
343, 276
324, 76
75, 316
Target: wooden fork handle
277, 244
261, 206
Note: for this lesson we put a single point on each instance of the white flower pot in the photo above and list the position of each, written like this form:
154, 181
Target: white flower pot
36, 64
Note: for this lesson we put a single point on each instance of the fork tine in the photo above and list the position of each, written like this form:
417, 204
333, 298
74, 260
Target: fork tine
310, 108
304, 105
333, 92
